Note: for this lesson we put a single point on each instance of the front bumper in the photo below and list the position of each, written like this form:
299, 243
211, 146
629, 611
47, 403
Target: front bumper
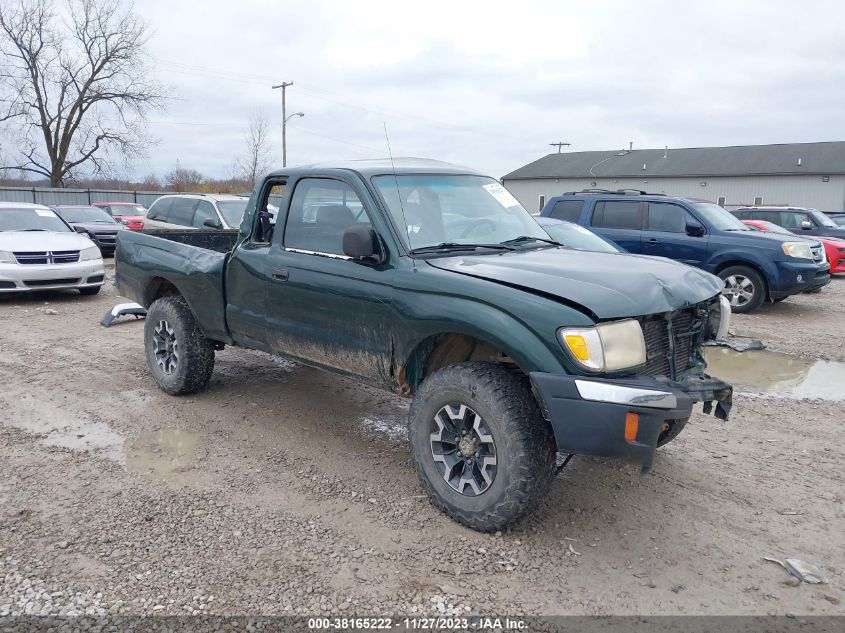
30, 277
812, 276
593, 416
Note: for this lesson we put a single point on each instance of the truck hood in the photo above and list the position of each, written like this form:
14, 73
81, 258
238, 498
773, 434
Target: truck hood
609, 285
43, 241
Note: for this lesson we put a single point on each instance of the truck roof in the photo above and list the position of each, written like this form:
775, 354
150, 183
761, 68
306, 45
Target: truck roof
381, 166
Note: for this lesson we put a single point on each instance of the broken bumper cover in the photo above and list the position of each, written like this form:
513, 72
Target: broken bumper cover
590, 415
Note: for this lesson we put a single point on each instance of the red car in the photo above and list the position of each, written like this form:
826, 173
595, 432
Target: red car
129, 214
834, 248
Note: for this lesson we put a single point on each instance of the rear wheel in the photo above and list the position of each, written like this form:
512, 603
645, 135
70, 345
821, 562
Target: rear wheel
744, 288
481, 447
179, 355
90, 290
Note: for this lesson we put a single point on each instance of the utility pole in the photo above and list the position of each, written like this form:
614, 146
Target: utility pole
560, 145
284, 85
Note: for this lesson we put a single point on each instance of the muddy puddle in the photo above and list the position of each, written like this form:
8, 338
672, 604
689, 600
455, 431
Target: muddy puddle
163, 452
778, 375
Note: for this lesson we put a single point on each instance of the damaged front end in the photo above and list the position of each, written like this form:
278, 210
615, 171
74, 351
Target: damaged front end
630, 416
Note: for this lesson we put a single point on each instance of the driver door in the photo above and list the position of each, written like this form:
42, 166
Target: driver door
323, 307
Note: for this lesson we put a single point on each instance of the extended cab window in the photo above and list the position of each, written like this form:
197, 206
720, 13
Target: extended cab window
569, 210
617, 214
669, 218
320, 211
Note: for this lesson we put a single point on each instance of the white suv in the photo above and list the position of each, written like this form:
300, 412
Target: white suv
196, 211
39, 251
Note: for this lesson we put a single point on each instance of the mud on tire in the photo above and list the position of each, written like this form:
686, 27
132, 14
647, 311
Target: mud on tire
523, 443
179, 355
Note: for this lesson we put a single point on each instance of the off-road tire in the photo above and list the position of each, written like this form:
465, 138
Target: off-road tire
674, 430
524, 441
195, 362
90, 290
759, 294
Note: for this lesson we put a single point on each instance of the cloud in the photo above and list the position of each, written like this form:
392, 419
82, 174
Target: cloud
491, 84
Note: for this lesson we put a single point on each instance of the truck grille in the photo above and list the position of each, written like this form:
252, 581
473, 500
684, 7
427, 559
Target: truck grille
671, 341
46, 257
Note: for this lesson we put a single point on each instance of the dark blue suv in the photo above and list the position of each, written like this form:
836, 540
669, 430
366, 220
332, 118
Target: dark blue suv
755, 266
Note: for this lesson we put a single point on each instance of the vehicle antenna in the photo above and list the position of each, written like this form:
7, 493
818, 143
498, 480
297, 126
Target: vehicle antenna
398, 193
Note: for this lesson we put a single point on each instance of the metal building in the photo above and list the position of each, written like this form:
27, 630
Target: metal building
797, 174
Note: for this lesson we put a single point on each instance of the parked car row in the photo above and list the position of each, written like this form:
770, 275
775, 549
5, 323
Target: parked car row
755, 266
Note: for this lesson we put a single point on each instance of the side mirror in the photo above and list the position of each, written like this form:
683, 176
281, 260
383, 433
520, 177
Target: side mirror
806, 225
360, 243
694, 229
212, 223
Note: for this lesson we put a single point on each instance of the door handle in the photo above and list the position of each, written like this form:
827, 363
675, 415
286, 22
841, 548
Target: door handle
653, 241
280, 274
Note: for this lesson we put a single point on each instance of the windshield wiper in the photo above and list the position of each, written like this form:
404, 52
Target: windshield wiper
457, 246
531, 238
739, 229
23, 230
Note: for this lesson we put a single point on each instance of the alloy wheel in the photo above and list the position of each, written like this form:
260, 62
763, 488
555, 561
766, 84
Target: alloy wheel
463, 449
165, 347
739, 290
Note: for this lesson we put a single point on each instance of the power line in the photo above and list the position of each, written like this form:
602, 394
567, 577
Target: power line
560, 145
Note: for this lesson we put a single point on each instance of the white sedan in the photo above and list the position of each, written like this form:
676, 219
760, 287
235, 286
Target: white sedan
39, 251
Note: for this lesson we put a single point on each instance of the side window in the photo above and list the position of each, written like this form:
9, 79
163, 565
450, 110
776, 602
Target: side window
567, 210
205, 211
669, 218
791, 220
265, 219
768, 216
182, 211
106, 208
617, 214
320, 211
160, 209
742, 215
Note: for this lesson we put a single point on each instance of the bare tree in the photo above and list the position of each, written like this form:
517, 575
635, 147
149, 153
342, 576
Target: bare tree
256, 160
73, 89
182, 179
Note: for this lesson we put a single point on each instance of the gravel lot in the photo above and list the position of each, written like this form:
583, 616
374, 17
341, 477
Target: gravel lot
283, 490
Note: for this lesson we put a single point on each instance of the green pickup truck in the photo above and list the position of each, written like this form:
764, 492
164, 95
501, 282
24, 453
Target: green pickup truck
431, 281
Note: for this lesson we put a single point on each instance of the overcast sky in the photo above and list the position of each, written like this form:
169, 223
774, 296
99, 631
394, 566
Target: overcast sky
491, 84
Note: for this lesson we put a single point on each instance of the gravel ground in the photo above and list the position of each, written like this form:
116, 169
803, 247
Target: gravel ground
284, 490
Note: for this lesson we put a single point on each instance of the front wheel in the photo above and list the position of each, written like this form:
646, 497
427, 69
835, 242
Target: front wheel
89, 291
481, 447
744, 288
179, 355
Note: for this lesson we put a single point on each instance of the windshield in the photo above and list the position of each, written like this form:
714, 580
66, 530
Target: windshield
233, 211
84, 214
31, 220
822, 219
720, 219
579, 238
437, 209
133, 209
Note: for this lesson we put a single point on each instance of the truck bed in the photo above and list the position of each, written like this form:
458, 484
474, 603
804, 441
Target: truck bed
194, 261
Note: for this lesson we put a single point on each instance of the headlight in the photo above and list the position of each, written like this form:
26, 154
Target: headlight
800, 250
6, 257
719, 319
606, 347
89, 254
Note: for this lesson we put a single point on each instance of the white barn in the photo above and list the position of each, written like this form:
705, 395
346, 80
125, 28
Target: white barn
797, 174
